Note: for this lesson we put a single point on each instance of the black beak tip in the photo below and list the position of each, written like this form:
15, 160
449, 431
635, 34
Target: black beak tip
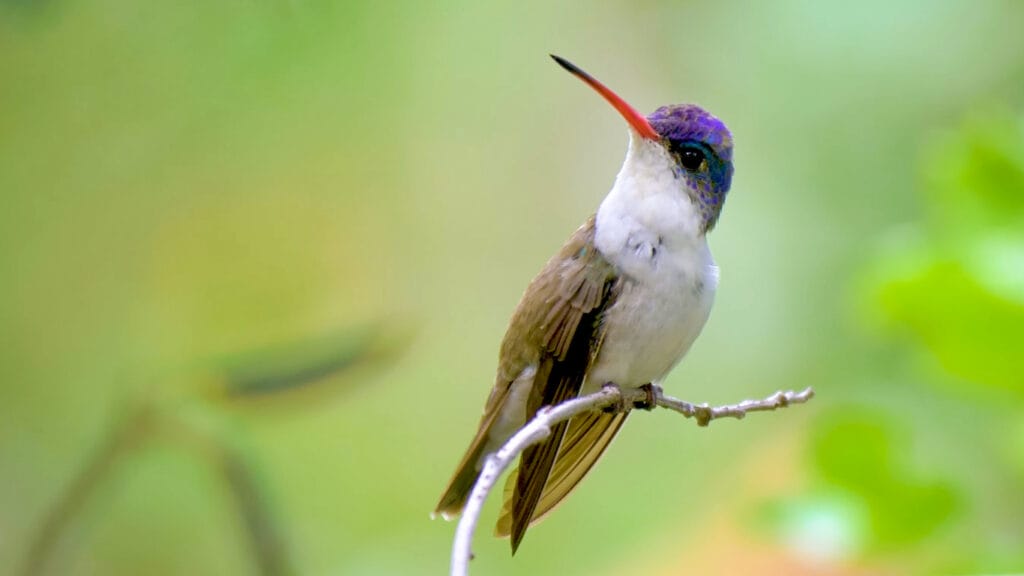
565, 64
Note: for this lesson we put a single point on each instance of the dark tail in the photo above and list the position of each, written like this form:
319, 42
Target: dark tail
455, 495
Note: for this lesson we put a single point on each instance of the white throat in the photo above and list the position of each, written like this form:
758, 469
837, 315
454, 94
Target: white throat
649, 229
648, 218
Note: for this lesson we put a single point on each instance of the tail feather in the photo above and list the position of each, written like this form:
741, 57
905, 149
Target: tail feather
534, 470
455, 495
583, 444
453, 500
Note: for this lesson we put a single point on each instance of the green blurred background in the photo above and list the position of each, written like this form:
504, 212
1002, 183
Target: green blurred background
257, 258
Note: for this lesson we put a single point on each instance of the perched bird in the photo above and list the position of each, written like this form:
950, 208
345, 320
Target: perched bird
620, 304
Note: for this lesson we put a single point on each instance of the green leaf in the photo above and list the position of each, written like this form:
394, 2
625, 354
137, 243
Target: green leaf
911, 510
859, 453
973, 333
853, 450
301, 364
975, 177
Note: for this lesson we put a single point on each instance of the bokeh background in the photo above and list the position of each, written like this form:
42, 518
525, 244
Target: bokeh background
257, 258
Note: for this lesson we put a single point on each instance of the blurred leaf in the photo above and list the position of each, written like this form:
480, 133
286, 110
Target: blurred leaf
299, 364
996, 261
955, 284
1016, 448
853, 451
975, 176
959, 285
862, 453
825, 526
911, 510
975, 334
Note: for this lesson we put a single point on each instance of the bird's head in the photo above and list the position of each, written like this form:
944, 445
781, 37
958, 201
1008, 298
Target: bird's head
698, 146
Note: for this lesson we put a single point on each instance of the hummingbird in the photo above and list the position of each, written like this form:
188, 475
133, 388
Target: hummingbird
620, 304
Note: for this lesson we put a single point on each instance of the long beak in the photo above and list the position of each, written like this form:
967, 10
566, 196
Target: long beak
635, 119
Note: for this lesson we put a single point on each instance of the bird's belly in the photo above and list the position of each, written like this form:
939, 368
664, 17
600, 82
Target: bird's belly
649, 329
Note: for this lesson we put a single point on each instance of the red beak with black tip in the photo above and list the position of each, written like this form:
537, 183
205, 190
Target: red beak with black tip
635, 119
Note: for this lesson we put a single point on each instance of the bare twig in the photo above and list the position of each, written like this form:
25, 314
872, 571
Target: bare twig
132, 433
540, 427
122, 439
266, 538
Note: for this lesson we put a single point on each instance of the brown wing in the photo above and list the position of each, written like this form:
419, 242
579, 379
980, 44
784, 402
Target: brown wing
556, 329
577, 285
585, 440
453, 500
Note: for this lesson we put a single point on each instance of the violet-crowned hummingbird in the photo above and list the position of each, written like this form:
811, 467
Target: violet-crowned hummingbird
620, 303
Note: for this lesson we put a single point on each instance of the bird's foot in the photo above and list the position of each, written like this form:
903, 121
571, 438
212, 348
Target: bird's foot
620, 405
651, 401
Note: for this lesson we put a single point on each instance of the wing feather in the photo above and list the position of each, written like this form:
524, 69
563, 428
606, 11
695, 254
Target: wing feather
580, 285
557, 329
585, 441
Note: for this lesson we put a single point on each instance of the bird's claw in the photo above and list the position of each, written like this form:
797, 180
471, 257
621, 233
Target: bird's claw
619, 406
651, 401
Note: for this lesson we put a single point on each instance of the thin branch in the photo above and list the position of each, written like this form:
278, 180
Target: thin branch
266, 538
269, 547
121, 440
540, 428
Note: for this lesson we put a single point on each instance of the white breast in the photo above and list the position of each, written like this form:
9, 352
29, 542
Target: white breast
652, 325
649, 229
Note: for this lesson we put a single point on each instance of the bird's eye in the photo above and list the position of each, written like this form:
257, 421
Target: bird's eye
691, 158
